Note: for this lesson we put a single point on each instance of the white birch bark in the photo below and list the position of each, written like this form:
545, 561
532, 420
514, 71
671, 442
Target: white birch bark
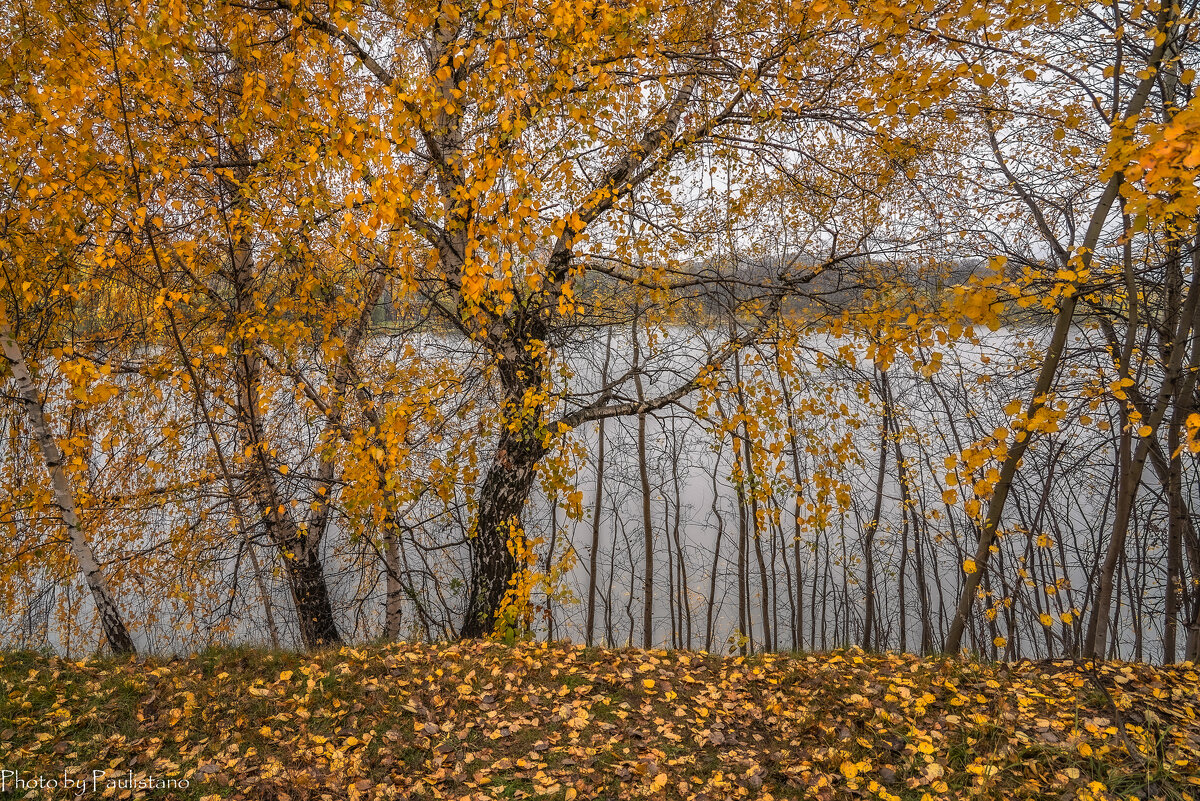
106, 605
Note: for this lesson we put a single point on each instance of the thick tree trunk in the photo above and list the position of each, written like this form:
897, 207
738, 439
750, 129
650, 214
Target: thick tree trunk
498, 535
111, 622
311, 595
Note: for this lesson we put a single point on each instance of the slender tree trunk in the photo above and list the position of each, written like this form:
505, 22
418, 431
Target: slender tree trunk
764, 602
268, 612
1181, 529
644, 479
744, 625
716, 563
1057, 344
1176, 527
676, 628
299, 549
826, 578
908, 506
872, 528
1192, 651
111, 622
1175, 521
1098, 625
609, 635
235, 499
549, 566
589, 628
630, 595
813, 602
794, 449
300, 552
685, 606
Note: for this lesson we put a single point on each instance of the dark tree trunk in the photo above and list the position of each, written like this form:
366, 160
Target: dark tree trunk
794, 448
1099, 624
501, 501
712, 576
299, 550
647, 538
869, 625
311, 594
589, 631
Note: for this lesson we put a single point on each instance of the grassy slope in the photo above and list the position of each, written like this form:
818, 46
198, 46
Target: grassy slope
491, 721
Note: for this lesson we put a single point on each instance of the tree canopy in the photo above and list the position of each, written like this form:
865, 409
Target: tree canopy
313, 314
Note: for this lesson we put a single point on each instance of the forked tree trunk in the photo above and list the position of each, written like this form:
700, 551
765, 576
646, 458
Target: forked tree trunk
111, 622
299, 548
1099, 624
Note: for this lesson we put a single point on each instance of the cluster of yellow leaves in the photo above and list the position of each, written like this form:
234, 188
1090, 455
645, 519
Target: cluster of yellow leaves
541, 720
1193, 432
1162, 164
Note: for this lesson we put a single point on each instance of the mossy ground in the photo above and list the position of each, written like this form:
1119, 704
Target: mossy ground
555, 721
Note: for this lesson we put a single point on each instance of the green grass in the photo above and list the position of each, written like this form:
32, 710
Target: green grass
483, 720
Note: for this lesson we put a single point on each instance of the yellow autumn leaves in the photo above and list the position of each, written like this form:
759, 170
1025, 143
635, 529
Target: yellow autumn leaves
484, 721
